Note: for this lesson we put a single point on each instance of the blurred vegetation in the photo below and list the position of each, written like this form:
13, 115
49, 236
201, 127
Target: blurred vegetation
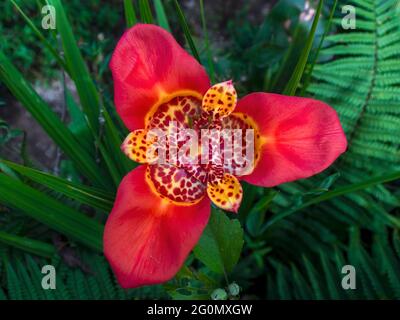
95, 24
297, 237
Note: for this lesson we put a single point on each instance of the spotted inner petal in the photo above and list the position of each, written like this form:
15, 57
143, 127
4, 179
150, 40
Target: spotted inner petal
227, 193
245, 147
220, 100
175, 184
181, 110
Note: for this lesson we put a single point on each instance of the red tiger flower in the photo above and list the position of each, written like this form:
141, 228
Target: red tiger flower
161, 209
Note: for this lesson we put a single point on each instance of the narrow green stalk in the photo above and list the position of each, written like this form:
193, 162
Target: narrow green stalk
51, 212
186, 30
42, 39
335, 193
88, 195
130, 15
283, 65
87, 91
326, 31
145, 11
50, 122
294, 81
162, 19
207, 42
39, 248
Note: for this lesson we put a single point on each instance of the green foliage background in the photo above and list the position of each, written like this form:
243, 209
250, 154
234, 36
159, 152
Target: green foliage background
289, 242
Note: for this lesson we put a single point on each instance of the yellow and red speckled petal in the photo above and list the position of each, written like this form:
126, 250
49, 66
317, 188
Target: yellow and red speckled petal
220, 100
147, 239
137, 147
175, 184
227, 193
180, 110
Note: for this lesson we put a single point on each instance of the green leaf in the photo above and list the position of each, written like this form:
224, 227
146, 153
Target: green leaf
162, 19
16, 291
336, 193
256, 217
78, 124
51, 212
42, 39
207, 42
286, 61
314, 279
186, 30
88, 94
113, 141
39, 248
130, 15
327, 183
332, 280
365, 265
391, 264
314, 61
221, 243
88, 195
7, 170
145, 11
50, 122
294, 81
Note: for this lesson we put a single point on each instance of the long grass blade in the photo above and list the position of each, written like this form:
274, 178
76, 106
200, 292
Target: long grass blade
36, 247
285, 61
87, 195
42, 39
145, 11
51, 212
336, 193
186, 30
162, 19
50, 122
130, 15
207, 43
314, 61
113, 142
79, 72
294, 81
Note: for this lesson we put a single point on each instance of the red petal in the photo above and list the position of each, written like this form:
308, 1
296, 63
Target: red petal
301, 137
149, 66
146, 238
